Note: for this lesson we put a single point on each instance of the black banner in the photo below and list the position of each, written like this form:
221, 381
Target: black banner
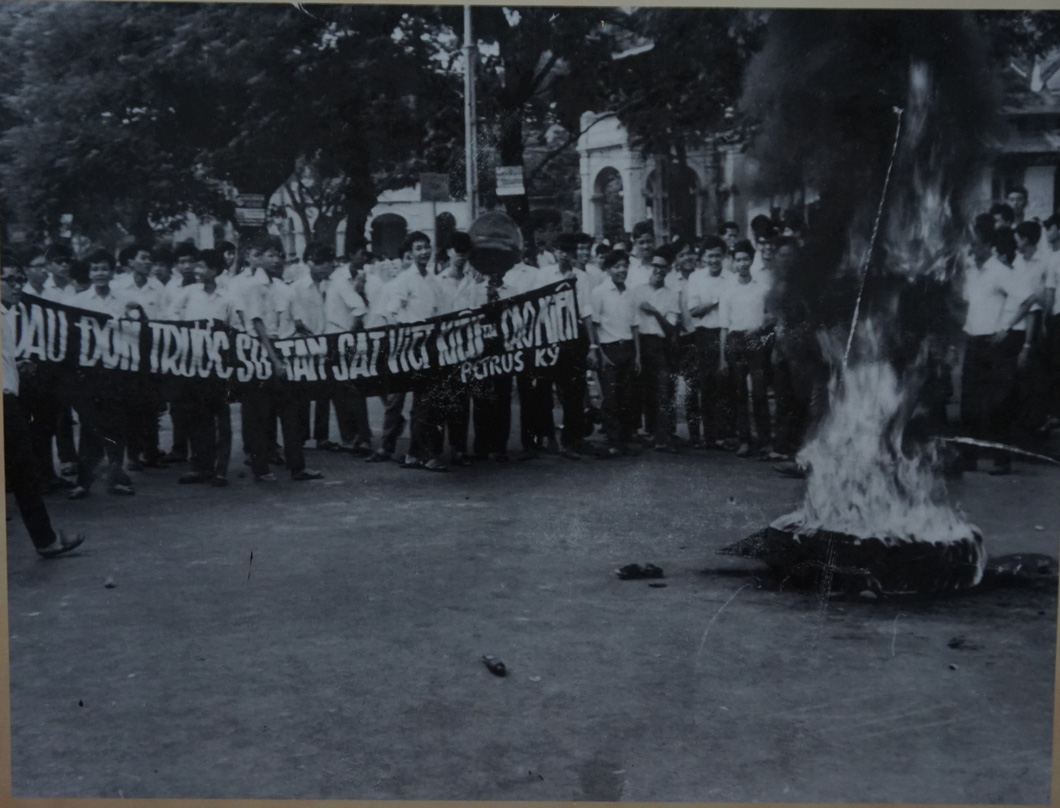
520, 334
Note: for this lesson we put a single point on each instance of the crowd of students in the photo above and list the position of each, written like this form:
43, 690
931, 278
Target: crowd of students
696, 319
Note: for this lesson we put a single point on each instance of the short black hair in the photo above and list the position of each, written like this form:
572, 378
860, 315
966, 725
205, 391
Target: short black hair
100, 256
127, 254
9, 259
162, 255
225, 246
761, 224
1004, 211
263, 241
666, 252
602, 249
355, 243
613, 257
460, 242
785, 241
214, 259
1030, 230
59, 252
983, 227
1004, 242
412, 238
727, 226
79, 271
184, 249
318, 253
744, 246
714, 243
645, 228
567, 243
1017, 189
1052, 221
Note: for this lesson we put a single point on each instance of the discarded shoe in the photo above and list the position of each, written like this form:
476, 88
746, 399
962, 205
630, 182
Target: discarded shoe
494, 665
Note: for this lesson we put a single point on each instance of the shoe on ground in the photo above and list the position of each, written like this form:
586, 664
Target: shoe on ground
78, 492
156, 463
307, 474
173, 457
193, 477
435, 465
59, 484
744, 450
325, 445
217, 481
276, 459
68, 469
461, 459
265, 478
569, 454
528, 454
121, 490
791, 469
134, 465
378, 457
61, 546
410, 462
668, 448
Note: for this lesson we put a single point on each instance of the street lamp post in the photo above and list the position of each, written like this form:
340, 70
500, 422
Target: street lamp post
471, 173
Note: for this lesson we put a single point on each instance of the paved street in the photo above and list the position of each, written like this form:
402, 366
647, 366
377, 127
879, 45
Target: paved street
343, 661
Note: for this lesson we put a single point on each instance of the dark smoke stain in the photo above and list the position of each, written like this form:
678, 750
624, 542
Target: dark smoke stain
822, 94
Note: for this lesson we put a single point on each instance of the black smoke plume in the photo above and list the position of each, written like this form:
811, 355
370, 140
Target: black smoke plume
823, 94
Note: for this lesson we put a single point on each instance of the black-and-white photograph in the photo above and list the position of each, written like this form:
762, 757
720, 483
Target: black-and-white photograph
530, 403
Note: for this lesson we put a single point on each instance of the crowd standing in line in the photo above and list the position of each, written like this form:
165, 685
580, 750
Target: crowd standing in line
700, 318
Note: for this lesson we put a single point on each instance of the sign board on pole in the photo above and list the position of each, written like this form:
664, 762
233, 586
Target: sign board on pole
250, 210
510, 181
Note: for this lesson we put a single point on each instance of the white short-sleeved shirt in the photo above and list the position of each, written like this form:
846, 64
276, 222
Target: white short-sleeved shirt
411, 297
342, 303
743, 306
705, 289
65, 295
582, 285
1051, 258
1025, 279
612, 312
985, 291
664, 299
149, 296
522, 277
307, 303
679, 283
460, 294
111, 303
7, 322
639, 273
198, 304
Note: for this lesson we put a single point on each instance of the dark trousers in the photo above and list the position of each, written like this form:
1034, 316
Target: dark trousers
145, 399
20, 466
747, 361
621, 405
393, 420
428, 421
988, 390
64, 433
1052, 353
263, 402
688, 369
102, 412
656, 362
718, 404
172, 393
492, 402
211, 427
42, 406
321, 420
351, 412
452, 405
535, 410
571, 389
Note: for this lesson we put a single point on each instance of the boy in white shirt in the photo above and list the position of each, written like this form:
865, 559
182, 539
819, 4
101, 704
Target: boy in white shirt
307, 311
706, 289
643, 250
744, 327
614, 352
345, 309
656, 312
206, 400
101, 397
264, 400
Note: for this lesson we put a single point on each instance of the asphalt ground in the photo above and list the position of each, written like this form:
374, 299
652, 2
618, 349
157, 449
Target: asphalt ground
324, 640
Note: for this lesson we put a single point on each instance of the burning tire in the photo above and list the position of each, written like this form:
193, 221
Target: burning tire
889, 567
